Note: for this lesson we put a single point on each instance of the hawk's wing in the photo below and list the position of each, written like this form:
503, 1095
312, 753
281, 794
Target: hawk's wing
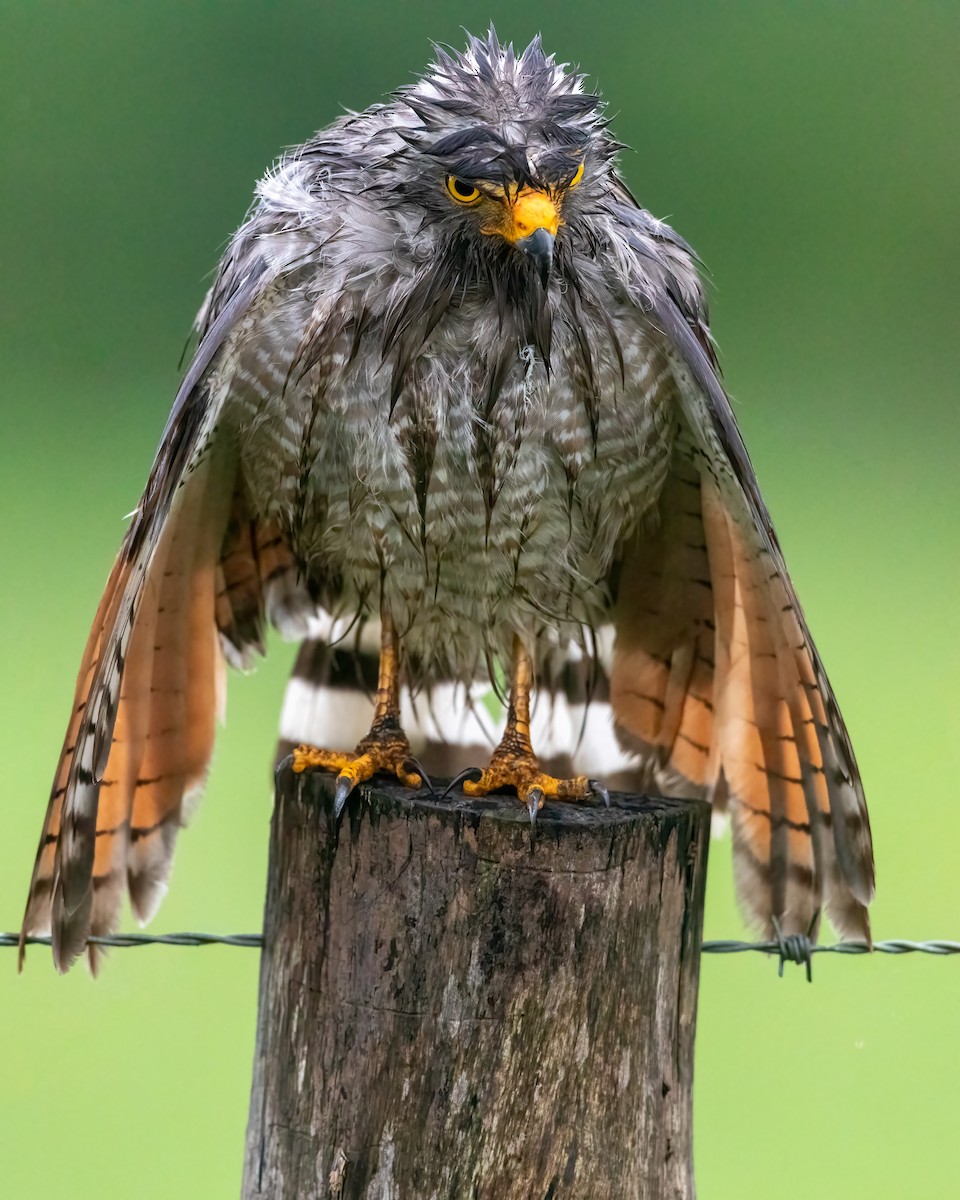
716, 681
150, 683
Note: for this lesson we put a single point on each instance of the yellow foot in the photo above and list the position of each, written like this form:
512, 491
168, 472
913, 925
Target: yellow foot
386, 750
521, 772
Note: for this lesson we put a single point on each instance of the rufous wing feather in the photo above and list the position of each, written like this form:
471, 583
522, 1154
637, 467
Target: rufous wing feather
661, 679
716, 683
757, 765
150, 685
186, 687
141, 731
258, 578
716, 686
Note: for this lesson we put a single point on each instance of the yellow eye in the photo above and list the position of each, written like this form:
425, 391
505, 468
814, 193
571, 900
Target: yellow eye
463, 193
577, 177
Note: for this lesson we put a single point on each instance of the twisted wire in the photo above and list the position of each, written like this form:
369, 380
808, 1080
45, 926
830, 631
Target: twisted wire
793, 948
122, 941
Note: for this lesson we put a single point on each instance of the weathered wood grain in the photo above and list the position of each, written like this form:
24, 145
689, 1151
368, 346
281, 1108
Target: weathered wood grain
451, 1009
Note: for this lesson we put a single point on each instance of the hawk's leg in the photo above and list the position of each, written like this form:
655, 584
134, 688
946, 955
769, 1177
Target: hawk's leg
514, 764
385, 748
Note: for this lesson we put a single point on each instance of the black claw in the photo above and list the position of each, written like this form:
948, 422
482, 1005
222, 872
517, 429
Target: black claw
474, 774
534, 800
411, 764
600, 790
340, 796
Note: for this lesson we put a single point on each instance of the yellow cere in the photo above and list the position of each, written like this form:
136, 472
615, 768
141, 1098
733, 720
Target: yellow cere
532, 210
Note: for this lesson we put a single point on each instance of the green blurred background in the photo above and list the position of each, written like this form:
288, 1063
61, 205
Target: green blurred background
809, 151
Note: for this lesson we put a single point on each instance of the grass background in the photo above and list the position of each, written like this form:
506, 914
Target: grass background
809, 153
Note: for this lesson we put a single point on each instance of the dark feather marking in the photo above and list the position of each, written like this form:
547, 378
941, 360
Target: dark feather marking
690, 742
101, 881
113, 830
796, 872
139, 832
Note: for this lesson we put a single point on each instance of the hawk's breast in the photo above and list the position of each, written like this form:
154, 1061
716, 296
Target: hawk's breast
484, 510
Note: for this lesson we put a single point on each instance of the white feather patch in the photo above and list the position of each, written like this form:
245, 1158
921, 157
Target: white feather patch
321, 716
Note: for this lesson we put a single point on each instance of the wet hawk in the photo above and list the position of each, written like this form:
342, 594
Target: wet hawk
455, 416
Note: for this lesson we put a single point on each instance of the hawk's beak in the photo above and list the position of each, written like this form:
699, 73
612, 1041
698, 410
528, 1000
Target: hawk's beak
539, 247
534, 222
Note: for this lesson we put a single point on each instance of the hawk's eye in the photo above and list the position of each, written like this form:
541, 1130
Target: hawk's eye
578, 175
463, 193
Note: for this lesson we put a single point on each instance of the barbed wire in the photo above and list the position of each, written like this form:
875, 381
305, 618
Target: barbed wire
793, 948
122, 941
797, 948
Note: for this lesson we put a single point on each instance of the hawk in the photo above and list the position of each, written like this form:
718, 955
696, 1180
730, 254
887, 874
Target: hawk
455, 399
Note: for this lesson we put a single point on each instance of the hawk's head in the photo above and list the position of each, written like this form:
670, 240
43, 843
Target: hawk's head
490, 182
503, 149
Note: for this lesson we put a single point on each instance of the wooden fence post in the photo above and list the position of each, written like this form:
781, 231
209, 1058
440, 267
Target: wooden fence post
453, 1009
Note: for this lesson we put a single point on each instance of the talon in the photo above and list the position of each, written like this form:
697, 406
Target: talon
344, 788
412, 767
410, 779
473, 774
479, 785
534, 804
600, 790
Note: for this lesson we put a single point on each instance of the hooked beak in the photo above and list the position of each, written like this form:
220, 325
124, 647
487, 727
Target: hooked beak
538, 246
530, 222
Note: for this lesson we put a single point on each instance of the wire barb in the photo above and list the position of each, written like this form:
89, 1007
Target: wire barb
796, 947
